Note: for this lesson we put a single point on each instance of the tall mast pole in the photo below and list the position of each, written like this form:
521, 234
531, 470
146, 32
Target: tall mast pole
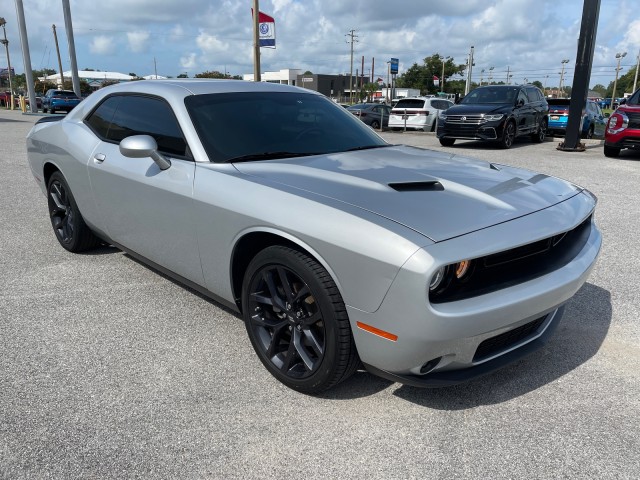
256, 41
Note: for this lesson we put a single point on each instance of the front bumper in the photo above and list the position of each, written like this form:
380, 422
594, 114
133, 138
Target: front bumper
491, 131
628, 138
448, 337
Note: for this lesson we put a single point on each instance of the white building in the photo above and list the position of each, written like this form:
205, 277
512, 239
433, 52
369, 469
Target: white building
286, 76
93, 77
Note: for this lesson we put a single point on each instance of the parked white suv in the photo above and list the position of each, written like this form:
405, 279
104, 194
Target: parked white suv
417, 113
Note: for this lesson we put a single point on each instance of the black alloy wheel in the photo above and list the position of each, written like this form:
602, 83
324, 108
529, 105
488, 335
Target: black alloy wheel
296, 320
375, 125
67, 222
541, 134
509, 135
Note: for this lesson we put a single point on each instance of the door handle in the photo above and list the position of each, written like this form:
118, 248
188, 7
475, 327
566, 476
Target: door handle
99, 157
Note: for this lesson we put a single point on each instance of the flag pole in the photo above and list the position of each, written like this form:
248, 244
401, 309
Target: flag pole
256, 42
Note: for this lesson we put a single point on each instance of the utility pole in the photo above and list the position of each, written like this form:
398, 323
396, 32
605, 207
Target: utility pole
619, 56
635, 80
508, 75
24, 40
75, 80
469, 71
373, 63
564, 62
256, 42
55, 39
352, 38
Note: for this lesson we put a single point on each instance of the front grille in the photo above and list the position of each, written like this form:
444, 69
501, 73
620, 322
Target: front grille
518, 265
506, 340
634, 120
460, 129
465, 119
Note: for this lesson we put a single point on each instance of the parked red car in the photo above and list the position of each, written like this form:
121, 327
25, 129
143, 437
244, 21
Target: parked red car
623, 127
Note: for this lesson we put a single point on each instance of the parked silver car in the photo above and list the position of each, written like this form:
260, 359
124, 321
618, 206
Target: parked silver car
339, 249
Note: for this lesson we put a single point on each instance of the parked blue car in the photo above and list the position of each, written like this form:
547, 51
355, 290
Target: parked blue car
55, 100
593, 120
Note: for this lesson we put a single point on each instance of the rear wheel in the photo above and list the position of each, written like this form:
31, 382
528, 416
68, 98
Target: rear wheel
541, 134
447, 142
67, 222
297, 321
611, 152
44, 109
509, 135
375, 125
589, 133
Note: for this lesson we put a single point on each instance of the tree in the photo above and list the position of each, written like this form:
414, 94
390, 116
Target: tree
600, 90
213, 74
421, 76
538, 84
369, 89
625, 84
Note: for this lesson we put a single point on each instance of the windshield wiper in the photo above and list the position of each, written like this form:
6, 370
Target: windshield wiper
267, 156
367, 147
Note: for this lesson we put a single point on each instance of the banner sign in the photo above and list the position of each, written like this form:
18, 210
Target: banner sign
267, 28
436, 81
394, 66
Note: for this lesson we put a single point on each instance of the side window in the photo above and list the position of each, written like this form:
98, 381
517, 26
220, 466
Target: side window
101, 117
522, 96
139, 115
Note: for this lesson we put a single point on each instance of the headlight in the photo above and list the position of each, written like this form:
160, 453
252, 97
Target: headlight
437, 279
452, 276
617, 122
493, 118
442, 115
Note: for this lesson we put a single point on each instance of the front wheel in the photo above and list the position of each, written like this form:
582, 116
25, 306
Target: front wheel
611, 152
509, 135
67, 222
297, 321
447, 142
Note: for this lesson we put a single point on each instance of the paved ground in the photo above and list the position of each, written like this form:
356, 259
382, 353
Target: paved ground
110, 370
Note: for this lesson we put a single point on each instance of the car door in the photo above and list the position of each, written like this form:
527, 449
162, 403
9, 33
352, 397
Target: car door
143, 208
599, 120
525, 113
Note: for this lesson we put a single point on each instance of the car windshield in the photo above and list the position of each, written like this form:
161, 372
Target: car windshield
249, 126
634, 99
498, 95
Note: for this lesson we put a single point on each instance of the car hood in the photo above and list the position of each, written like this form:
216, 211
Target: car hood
478, 108
436, 194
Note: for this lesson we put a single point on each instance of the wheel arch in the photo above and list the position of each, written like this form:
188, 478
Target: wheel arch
49, 169
247, 246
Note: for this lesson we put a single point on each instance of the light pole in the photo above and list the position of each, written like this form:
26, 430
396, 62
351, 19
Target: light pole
619, 56
564, 62
5, 42
490, 74
481, 76
544, 87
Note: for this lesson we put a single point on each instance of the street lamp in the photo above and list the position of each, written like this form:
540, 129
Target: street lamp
564, 62
619, 56
490, 74
544, 87
5, 42
481, 76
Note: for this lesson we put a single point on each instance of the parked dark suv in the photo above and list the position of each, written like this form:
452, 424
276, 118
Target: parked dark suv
496, 113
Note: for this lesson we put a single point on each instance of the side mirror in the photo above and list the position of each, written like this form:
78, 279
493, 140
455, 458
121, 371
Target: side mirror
144, 146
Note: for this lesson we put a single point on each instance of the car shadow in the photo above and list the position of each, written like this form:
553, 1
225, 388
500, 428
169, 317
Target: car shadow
519, 142
578, 338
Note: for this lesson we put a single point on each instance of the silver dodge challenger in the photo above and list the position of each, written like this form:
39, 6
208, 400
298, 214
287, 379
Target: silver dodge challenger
340, 251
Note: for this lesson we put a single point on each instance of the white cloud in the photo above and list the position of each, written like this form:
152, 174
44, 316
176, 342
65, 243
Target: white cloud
102, 45
210, 44
188, 61
138, 41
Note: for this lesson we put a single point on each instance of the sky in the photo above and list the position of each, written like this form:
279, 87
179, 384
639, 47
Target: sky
528, 38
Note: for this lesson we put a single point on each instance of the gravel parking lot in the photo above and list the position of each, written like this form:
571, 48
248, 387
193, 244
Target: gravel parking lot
111, 370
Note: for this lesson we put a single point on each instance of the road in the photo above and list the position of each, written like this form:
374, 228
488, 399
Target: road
111, 370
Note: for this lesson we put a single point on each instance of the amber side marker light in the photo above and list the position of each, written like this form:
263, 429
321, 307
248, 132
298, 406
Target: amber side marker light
377, 331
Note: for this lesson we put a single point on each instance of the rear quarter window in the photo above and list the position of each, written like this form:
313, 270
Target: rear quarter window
409, 103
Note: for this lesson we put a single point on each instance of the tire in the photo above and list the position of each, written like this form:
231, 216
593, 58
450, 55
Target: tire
296, 320
508, 135
433, 125
44, 110
611, 152
375, 125
447, 142
68, 225
541, 134
589, 134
